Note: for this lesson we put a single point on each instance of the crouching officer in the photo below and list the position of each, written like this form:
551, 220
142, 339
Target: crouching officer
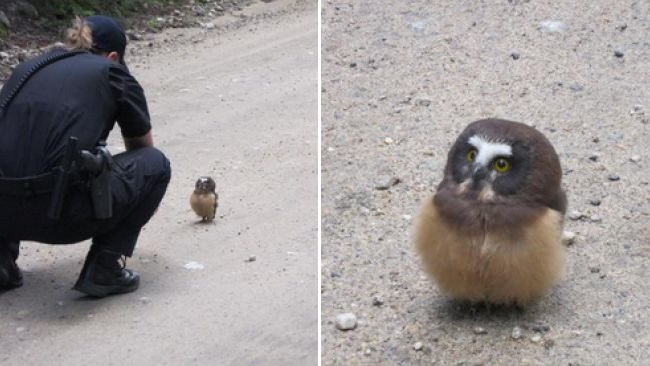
58, 183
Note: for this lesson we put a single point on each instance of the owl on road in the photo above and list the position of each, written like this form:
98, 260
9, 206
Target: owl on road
492, 233
204, 199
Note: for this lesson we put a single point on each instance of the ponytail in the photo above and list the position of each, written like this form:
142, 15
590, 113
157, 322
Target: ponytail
79, 36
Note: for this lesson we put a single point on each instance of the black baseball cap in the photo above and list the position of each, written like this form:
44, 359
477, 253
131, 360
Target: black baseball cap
108, 35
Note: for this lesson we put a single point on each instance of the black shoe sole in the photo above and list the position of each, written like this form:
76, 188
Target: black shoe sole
95, 290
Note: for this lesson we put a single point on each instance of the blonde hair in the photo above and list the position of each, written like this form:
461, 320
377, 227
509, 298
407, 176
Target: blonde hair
79, 36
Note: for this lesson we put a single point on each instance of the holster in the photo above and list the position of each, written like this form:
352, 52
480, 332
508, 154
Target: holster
96, 166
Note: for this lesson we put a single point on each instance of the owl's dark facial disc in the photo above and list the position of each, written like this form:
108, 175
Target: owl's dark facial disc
487, 166
205, 184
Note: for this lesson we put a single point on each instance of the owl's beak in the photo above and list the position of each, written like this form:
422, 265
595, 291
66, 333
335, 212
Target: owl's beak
478, 177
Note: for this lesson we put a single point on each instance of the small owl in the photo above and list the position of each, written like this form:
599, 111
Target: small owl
204, 199
492, 233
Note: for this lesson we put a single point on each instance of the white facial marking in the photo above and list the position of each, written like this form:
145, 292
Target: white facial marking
488, 150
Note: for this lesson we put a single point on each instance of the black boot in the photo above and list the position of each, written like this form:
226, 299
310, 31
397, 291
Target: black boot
10, 275
102, 275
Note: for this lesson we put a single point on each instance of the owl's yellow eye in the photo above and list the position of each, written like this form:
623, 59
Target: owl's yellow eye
471, 155
501, 165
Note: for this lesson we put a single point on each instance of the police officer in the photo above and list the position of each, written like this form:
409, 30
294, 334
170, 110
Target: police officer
79, 94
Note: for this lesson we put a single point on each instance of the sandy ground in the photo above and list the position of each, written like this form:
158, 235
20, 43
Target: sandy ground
416, 72
239, 105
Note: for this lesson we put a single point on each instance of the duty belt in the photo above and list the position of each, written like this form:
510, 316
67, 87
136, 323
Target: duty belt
31, 186
95, 166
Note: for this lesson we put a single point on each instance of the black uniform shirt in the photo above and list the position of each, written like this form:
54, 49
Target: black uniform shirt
82, 96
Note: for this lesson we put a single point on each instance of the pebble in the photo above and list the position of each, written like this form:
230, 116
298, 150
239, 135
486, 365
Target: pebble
515, 55
594, 269
596, 218
388, 141
637, 109
393, 181
594, 156
575, 215
480, 330
252, 258
418, 346
377, 301
536, 338
613, 177
568, 237
594, 201
541, 328
346, 321
552, 26
209, 25
619, 52
635, 158
516, 333
424, 101
193, 266
4, 55
577, 87
353, 64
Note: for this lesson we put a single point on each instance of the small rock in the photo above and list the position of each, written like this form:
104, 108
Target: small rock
388, 141
209, 25
4, 55
480, 330
377, 301
393, 181
424, 101
346, 321
594, 269
20, 329
134, 36
252, 258
622, 27
594, 201
516, 333
144, 300
596, 218
353, 64
577, 87
552, 26
594, 156
635, 158
418, 346
619, 52
541, 328
637, 109
407, 217
536, 338
575, 215
613, 177
568, 237
194, 266
515, 55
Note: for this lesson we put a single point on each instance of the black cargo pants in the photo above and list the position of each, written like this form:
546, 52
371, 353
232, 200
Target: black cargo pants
139, 181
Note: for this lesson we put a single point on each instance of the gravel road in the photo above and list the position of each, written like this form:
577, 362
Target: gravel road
237, 102
400, 80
